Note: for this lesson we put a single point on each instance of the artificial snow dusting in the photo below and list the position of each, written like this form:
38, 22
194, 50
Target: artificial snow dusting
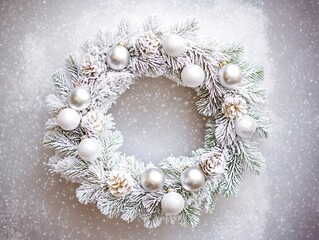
159, 119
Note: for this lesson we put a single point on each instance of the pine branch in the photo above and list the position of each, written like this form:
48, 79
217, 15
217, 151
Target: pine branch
62, 85
72, 65
152, 24
232, 177
61, 143
190, 216
252, 159
88, 193
210, 138
54, 104
185, 29
70, 168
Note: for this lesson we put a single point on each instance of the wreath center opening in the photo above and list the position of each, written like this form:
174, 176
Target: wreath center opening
158, 119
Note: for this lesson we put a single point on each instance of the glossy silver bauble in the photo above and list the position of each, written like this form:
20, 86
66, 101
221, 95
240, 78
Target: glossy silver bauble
153, 180
192, 179
118, 57
230, 75
79, 98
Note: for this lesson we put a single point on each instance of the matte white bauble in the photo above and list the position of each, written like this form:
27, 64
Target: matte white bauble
230, 75
172, 203
192, 179
68, 119
152, 180
245, 126
79, 98
174, 45
89, 149
192, 75
118, 57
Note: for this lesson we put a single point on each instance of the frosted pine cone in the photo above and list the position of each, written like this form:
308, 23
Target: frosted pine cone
93, 122
91, 66
234, 106
147, 44
212, 163
120, 183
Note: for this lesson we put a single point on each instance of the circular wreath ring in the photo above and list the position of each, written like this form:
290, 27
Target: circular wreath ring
86, 142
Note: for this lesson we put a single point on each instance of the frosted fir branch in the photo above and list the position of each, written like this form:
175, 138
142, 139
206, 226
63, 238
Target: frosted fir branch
152, 24
209, 201
54, 104
71, 168
190, 216
109, 88
153, 67
232, 177
73, 67
231, 51
254, 95
61, 143
151, 201
224, 132
111, 206
131, 211
88, 193
251, 157
153, 220
210, 138
263, 120
110, 142
205, 104
51, 123
105, 39
252, 73
125, 30
185, 29
62, 85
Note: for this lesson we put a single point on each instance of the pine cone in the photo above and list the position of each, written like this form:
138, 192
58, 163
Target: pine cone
120, 183
234, 106
93, 122
147, 44
212, 163
91, 66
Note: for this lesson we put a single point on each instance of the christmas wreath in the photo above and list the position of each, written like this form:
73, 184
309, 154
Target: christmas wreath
86, 143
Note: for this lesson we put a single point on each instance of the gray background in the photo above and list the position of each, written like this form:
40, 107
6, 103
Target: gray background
158, 119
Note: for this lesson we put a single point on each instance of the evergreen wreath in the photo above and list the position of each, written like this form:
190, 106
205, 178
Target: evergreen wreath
86, 143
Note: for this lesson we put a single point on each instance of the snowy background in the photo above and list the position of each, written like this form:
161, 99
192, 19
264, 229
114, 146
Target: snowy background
158, 119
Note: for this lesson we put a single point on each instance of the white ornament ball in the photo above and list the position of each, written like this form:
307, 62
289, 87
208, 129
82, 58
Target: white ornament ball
172, 203
230, 75
79, 98
192, 179
192, 75
245, 126
152, 180
68, 119
89, 149
174, 45
118, 57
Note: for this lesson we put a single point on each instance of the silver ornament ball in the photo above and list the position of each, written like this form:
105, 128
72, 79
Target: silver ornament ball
192, 75
68, 119
89, 149
118, 57
230, 75
152, 180
245, 127
172, 203
174, 45
79, 98
192, 179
